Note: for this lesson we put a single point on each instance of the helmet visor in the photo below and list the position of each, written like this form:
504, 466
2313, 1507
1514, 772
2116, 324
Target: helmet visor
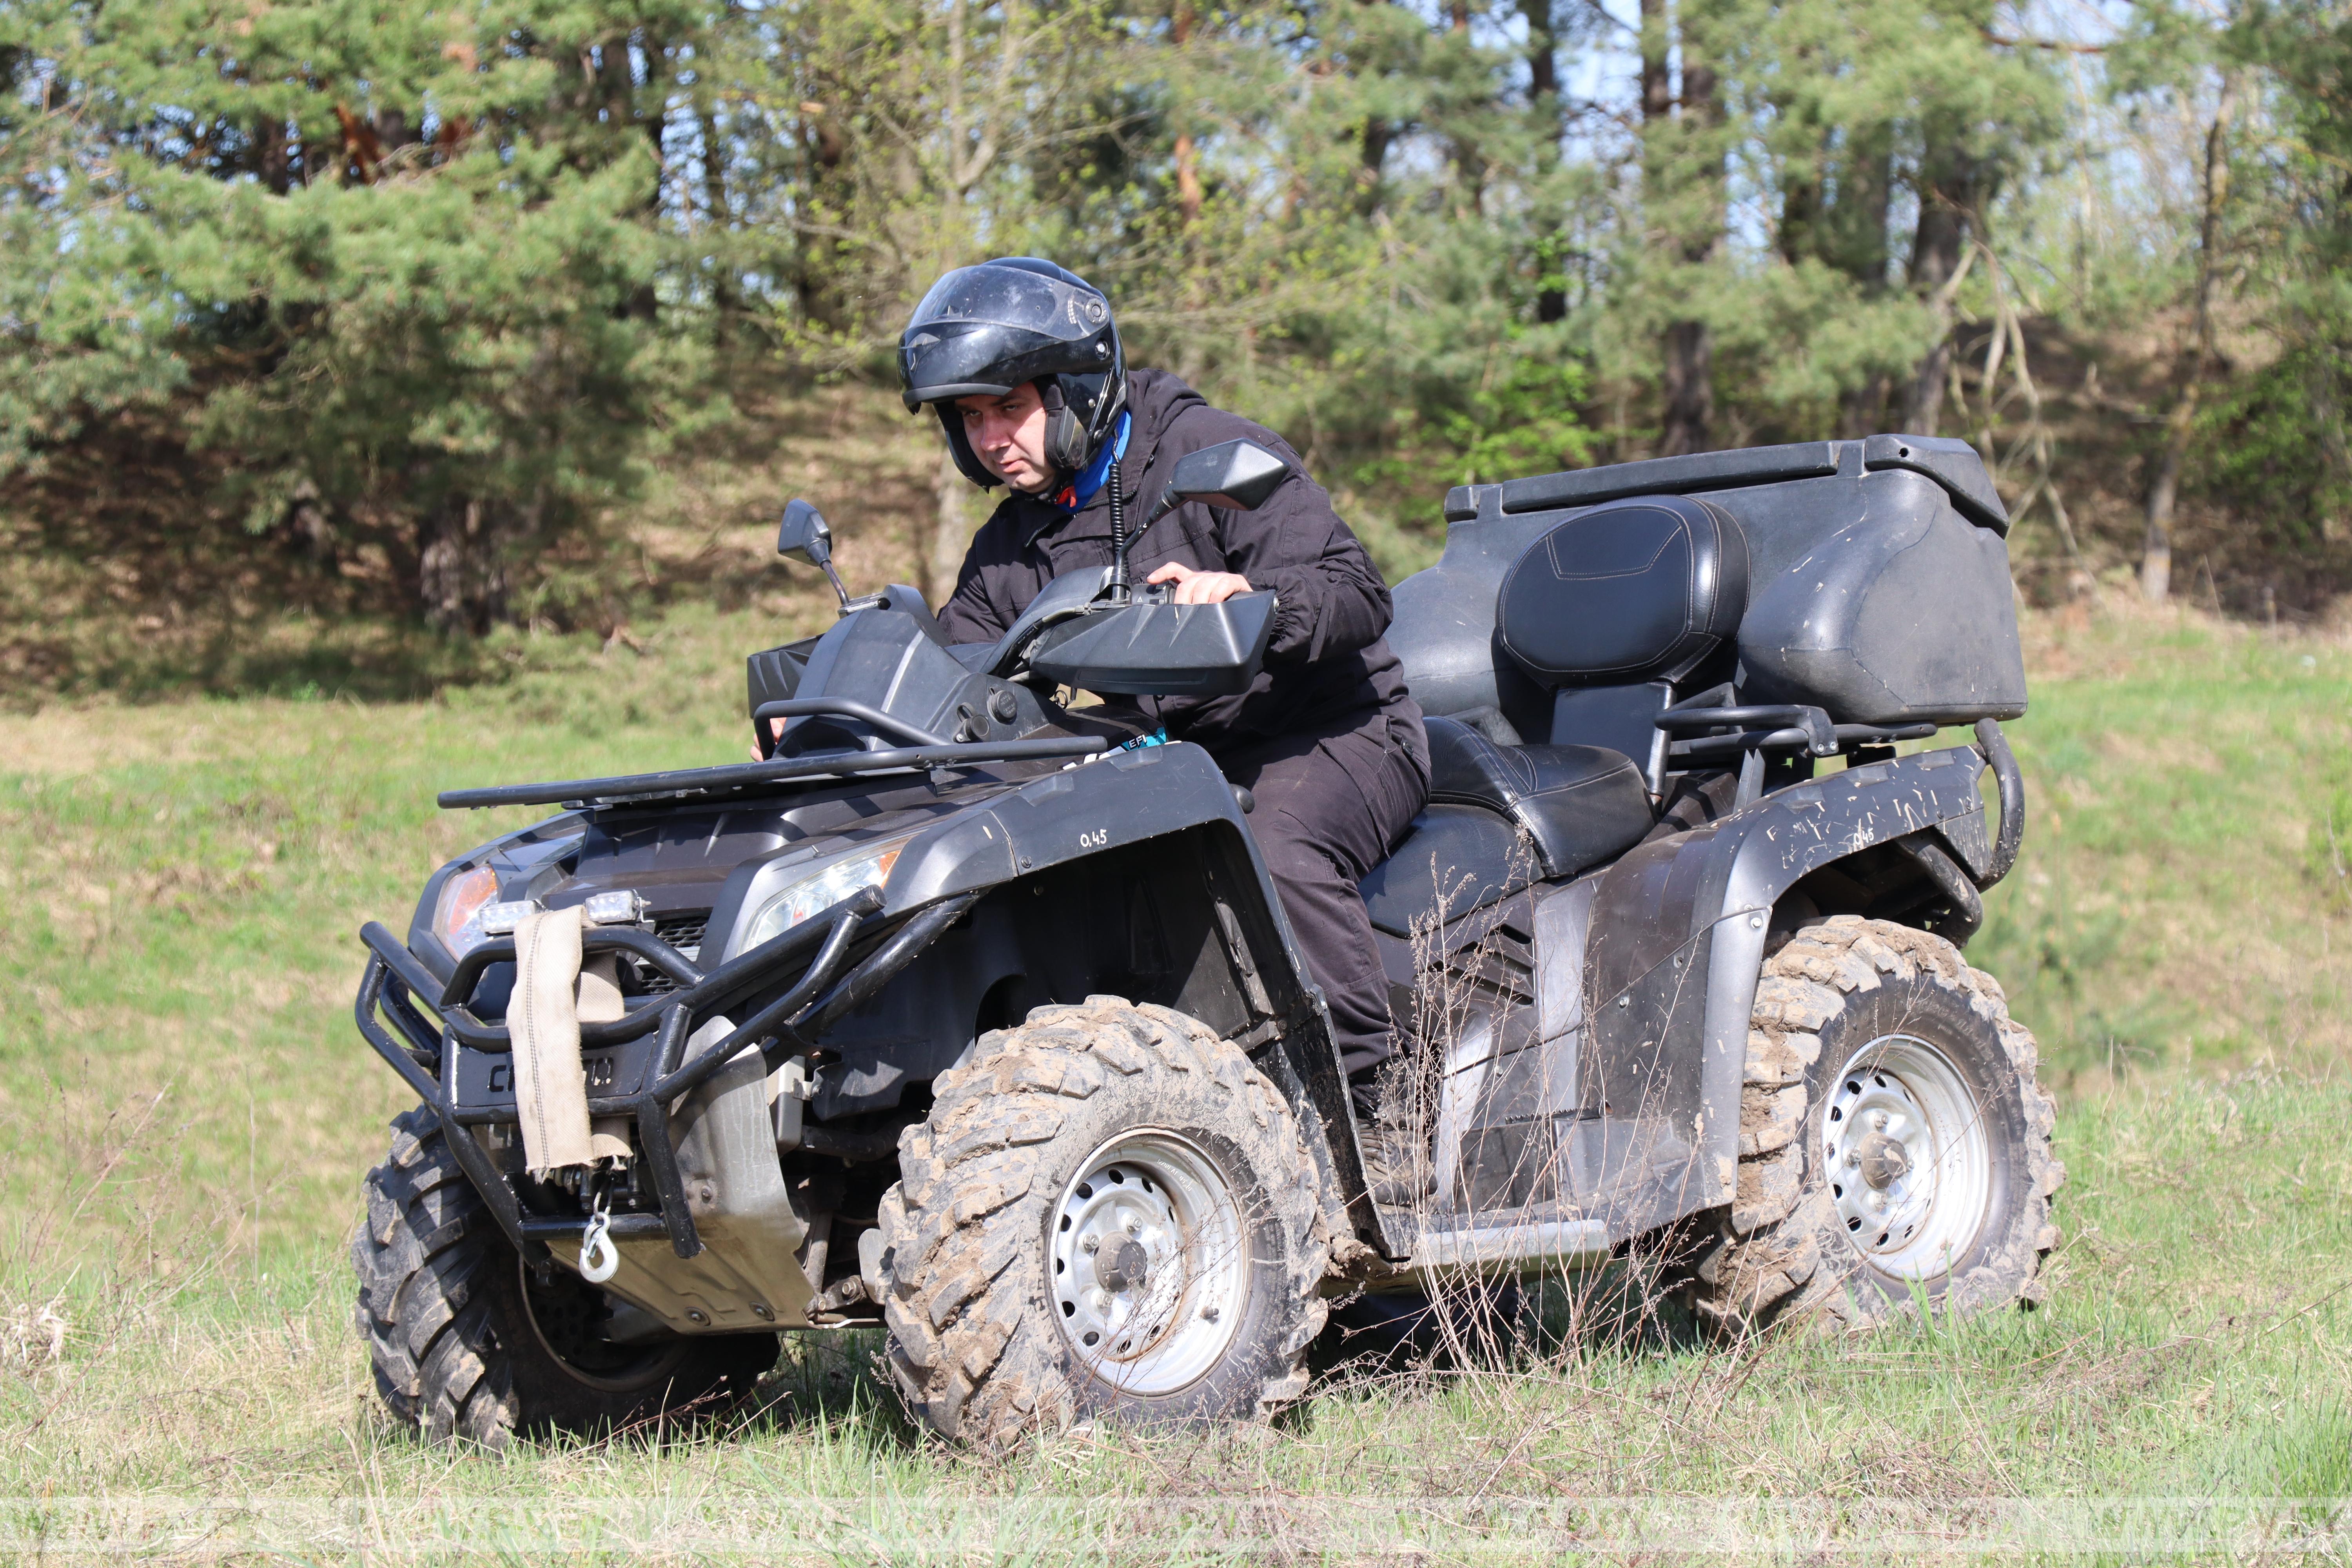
997, 295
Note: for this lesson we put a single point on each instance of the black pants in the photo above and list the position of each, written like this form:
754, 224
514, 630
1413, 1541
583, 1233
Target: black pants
1330, 806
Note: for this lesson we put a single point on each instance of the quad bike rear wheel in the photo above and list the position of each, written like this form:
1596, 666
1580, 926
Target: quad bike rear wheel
1108, 1215
472, 1345
1892, 1140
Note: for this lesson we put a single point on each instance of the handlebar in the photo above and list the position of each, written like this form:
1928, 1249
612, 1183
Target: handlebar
840, 707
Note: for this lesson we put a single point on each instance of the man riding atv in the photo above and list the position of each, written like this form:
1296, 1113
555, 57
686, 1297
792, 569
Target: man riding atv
922, 1020
1021, 363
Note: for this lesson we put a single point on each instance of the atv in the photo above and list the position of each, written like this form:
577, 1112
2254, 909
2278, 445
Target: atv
965, 1011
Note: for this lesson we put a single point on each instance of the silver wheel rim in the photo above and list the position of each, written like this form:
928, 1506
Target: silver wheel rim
645, 1365
1151, 1269
1908, 1158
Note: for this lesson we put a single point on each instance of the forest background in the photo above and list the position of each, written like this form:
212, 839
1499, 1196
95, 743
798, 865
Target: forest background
461, 322
456, 361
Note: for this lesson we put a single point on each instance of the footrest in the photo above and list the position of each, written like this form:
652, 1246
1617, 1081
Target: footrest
1494, 1245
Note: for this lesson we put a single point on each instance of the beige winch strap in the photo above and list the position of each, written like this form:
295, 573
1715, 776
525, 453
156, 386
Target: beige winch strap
599, 1002
552, 996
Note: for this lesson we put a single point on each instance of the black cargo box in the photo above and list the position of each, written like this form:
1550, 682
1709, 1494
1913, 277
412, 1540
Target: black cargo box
1878, 583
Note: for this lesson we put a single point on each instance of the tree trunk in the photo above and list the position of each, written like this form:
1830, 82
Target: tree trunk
1801, 212
1657, 85
1372, 149
1464, 150
394, 131
1551, 299
1188, 156
1689, 388
818, 265
1543, 100
726, 303
1858, 225
1657, 122
461, 578
2164, 483
1543, 53
1371, 155
1946, 201
1188, 180
952, 532
2319, 386
274, 160
1687, 183
1849, 233
1861, 410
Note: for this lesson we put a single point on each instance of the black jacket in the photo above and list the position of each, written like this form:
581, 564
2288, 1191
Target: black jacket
1326, 669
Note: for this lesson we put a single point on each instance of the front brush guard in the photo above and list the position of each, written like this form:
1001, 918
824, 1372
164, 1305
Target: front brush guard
396, 983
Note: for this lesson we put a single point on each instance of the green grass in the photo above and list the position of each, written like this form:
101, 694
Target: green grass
2185, 871
186, 1108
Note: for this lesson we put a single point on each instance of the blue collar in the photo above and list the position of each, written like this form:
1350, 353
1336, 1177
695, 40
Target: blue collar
1082, 490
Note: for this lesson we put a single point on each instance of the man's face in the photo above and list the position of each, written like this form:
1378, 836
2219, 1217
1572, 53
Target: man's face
1008, 433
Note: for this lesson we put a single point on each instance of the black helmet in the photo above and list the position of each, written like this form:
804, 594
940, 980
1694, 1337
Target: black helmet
988, 328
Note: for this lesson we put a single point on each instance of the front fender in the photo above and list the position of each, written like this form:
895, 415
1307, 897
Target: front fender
1174, 794
1123, 798
1700, 904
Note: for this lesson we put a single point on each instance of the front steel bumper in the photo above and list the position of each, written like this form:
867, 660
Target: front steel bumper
796, 983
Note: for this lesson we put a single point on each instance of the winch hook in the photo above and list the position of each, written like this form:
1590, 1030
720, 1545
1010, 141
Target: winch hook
599, 1258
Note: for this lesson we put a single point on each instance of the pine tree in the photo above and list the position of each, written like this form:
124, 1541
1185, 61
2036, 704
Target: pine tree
400, 265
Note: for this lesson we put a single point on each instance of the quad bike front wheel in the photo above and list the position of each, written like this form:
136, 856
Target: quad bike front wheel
1894, 1146
1108, 1215
472, 1345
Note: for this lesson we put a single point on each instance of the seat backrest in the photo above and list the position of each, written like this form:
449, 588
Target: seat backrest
1634, 591
1607, 610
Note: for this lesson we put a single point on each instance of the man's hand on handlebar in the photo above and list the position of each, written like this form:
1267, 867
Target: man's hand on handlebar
775, 728
1201, 587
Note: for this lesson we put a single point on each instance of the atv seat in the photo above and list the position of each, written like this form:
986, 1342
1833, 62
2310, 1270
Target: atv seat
1603, 617
1582, 805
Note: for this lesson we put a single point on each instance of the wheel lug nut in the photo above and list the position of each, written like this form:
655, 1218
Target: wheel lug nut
1209, 1313
1091, 1244
1878, 1120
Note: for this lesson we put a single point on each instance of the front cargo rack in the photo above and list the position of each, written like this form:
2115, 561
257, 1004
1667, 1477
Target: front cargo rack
739, 778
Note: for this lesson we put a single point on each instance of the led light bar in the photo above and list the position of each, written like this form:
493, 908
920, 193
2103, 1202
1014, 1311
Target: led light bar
621, 908
500, 919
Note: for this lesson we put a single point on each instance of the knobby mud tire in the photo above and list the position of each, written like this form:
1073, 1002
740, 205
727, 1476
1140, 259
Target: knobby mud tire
1780, 1252
451, 1333
974, 1345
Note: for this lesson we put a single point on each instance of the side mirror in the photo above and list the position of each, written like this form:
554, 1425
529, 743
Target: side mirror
804, 536
1237, 474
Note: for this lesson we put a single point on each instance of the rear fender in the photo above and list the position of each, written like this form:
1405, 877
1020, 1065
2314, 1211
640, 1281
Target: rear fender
1169, 807
1677, 946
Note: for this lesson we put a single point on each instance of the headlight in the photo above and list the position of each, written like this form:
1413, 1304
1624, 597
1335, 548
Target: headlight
457, 917
820, 890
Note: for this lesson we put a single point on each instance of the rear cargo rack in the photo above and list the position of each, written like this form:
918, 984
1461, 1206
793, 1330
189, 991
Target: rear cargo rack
1952, 463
